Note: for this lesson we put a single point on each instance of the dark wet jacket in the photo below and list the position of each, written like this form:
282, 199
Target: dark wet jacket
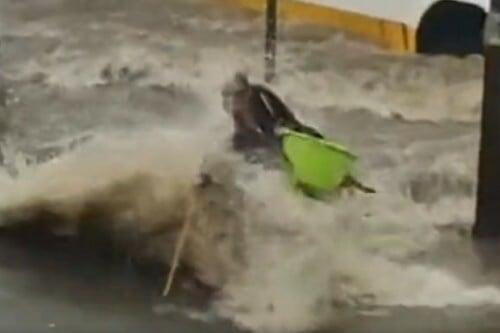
268, 112
260, 143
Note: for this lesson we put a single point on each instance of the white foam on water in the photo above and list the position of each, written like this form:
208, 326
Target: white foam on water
302, 262
334, 254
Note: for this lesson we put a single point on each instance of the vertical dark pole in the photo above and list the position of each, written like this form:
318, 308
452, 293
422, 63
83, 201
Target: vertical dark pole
487, 225
271, 27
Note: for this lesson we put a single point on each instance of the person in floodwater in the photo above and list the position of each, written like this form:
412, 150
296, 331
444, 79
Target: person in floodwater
258, 114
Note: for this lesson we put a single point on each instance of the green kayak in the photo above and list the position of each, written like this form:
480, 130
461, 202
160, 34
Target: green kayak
316, 165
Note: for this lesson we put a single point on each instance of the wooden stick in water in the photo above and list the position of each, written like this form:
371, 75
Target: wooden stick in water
179, 246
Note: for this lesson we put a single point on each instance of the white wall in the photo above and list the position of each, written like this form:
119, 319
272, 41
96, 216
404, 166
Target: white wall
406, 11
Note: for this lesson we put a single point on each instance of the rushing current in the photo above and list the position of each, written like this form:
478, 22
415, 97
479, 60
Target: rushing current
113, 108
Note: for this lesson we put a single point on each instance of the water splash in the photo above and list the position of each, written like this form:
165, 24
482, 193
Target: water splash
282, 262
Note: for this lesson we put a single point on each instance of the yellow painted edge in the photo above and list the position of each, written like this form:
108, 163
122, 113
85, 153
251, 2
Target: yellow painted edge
388, 34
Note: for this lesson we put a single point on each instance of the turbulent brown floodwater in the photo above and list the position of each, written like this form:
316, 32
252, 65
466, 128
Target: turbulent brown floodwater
114, 107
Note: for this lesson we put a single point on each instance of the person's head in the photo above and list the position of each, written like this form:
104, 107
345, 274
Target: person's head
235, 93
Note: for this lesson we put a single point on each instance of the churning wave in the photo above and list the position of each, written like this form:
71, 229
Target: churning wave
114, 122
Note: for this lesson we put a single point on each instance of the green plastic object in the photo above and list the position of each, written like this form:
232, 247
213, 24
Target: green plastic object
316, 165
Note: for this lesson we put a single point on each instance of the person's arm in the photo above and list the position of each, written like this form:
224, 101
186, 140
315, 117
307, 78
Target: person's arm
276, 108
282, 115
